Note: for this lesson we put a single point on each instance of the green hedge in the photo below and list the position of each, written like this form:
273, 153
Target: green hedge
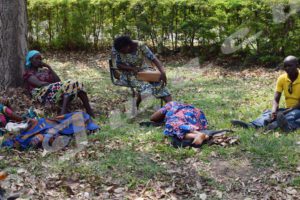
193, 26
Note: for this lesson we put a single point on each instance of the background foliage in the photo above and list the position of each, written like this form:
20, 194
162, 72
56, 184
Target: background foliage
194, 27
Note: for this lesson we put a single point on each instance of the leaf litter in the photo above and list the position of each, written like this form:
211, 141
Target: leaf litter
189, 178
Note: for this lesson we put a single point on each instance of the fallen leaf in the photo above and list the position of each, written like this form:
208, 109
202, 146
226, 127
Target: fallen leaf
198, 185
277, 135
291, 191
119, 190
169, 189
110, 189
21, 171
219, 194
3, 175
203, 196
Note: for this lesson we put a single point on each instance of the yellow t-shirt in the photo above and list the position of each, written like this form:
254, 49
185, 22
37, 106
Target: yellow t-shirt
283, 84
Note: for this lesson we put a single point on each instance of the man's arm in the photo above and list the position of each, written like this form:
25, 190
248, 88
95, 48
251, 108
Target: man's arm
275, 107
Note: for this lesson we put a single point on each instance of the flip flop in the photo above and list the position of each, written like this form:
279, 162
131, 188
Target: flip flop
149, 124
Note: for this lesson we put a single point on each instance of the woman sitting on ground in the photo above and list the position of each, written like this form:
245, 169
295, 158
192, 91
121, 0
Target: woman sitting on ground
130, 57
47, 88
182, 121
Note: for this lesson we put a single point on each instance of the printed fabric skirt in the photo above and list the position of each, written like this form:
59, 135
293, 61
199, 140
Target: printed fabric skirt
54, 92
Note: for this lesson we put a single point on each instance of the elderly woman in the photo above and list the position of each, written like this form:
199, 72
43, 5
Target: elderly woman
46, 87
130, 57
182, 121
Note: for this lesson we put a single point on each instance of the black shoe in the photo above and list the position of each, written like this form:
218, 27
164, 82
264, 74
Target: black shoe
271, 127
211, 133
282, 122
149, 124
177, 143
240, 123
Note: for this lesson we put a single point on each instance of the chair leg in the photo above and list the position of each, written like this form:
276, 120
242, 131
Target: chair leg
133, 92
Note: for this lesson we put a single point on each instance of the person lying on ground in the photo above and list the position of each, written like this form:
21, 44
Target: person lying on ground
46, 87
44, 131
287, 119
182, 121
130, 57
6, 113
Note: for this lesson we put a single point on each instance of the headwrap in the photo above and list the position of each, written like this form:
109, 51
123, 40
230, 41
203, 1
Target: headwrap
29, 55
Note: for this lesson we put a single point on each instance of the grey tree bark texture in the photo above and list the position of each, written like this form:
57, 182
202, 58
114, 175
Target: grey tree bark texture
13, 42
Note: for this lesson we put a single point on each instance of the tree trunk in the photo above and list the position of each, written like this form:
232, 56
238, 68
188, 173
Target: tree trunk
13, 42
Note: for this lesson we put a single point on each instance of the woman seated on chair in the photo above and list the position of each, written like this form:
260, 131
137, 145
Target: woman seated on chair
130, 57
182, 121
46, 87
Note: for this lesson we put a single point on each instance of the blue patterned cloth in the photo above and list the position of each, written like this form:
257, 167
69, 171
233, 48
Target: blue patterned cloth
182, 118
41, 130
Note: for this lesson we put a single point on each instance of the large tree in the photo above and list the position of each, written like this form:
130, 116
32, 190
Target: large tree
13, 42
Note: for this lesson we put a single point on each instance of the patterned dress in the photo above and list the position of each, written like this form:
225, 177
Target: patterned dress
53, 92
139, 59
181, 119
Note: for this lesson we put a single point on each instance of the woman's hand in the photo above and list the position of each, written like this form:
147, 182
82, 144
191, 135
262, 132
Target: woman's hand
163, 78
55, 76
45, 65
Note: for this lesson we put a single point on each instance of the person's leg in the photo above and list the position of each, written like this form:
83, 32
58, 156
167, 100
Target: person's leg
138, 100
263, 120
260, 122
85, 100
289, 121
65, 102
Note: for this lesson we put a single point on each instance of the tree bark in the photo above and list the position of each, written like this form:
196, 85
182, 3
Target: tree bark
13, 42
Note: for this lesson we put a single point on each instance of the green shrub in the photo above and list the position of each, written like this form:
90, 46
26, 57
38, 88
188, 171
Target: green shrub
164, 24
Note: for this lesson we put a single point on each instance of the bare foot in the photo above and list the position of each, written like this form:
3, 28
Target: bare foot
200, 138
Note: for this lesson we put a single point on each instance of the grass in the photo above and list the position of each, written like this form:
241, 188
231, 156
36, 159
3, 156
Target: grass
296, 182
128, 167
221, 98
133, 155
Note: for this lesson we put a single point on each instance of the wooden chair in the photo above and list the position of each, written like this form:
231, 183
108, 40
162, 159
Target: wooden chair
115, 78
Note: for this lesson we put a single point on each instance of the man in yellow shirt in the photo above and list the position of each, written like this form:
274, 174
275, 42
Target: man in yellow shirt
287, 119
